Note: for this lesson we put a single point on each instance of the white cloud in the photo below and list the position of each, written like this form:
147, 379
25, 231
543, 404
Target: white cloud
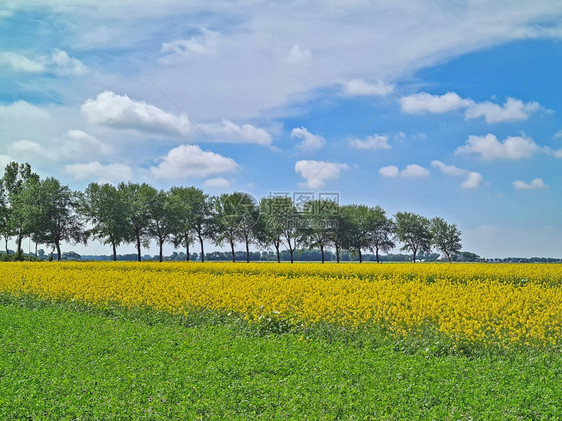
109, 173
423, 102
316, 173
558, 134
512, 110
21, 63
179, 49
389, 171
297, 54
77, 144
28, 150
218, 182
359, 87
557, 153
374, 142
230, 132
490, 148
411, 171
472, 180
65, 65
59, 63
120, 111
22, 110
309, 141
190, 161
414, 171
536, 183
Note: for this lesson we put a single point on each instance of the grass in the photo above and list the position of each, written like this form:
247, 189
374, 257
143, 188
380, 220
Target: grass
70, 361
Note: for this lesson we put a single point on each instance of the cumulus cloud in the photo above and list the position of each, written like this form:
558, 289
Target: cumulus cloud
104, 173
77, 144
490, 148
28, 150
389, 171
557, 153
359, 87
414, 171
21, 63
316, 173
190, 161
512, 110
230, 132
120, 111
59, 63
426, 103
218, 182
374, 142
309, 141
411, 171
65, 65
536, 183
472, 180
206, 43
22, 110
298, 54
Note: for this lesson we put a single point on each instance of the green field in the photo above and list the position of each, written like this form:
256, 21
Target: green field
69, 361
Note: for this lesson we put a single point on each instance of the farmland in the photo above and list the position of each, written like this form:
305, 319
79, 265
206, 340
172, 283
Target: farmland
223, 340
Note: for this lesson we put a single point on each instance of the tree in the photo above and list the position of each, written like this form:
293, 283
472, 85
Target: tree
227, 219
270, 223
52, 214
319, 221
357, 221
136, 199
248, 217
105, 209
290, 220
445, 237
182, 209
159, 219
17, 178
380, 232
414, 231
4, 216
191, 217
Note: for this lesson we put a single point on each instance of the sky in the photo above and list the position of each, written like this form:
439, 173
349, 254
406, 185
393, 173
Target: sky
443, 108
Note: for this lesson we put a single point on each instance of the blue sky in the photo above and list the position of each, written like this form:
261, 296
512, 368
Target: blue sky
462, 100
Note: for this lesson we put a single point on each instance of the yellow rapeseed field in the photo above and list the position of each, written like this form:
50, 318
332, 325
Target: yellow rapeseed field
520, 304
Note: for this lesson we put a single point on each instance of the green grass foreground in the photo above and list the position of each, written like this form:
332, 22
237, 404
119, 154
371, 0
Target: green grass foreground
69, 361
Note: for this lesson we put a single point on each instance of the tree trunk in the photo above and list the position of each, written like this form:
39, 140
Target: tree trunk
360, 256
322, 252
449, 257
247, 251
138, 248
19, 250
187, 248
232, 251
377, 254
114, 251
415, 252
57, 244
337, 253
278, 253
202, 251
161, 244
6, 242
291, 251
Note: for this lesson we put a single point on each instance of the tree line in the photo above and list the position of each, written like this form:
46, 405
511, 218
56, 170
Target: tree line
50, 213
